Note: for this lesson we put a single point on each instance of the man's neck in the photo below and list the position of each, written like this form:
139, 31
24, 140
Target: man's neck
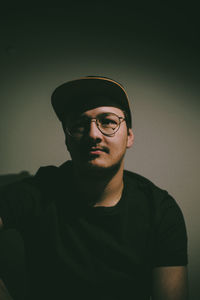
105, 190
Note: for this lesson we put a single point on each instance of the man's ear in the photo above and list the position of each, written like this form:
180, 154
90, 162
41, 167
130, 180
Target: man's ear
66, 136
130, 138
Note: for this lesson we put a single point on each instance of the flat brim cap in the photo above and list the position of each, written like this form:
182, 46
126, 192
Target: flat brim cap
89, 92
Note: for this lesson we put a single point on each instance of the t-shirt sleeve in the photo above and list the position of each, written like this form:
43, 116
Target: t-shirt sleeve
171, 235
19, 202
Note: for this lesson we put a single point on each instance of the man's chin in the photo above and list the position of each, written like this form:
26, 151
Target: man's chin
95, 164
96, 167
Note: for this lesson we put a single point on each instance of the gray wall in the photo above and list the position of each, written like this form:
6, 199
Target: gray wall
154, 53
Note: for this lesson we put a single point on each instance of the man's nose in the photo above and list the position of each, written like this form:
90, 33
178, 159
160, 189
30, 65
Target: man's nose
93, 131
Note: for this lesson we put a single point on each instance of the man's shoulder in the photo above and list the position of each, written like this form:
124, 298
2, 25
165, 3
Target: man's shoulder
151, 198
137, 177
140, 181
46, 176
53, 174
147, 190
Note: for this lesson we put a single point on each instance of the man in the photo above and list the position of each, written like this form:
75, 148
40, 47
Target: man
92, 229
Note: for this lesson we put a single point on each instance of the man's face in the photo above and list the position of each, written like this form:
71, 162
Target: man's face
93, 149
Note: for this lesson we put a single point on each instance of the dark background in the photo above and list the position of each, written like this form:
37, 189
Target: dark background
159, 36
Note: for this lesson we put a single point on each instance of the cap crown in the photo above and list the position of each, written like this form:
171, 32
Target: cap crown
89, 92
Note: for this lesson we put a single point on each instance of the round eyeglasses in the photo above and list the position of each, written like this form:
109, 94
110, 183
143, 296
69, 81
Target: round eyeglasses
107, 123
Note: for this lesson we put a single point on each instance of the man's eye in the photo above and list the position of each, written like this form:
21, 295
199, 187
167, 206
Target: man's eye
79, 124
108, 121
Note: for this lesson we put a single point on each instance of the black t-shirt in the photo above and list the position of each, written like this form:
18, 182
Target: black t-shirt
76, 250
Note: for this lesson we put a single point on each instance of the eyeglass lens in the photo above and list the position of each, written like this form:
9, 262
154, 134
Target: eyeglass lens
107, 123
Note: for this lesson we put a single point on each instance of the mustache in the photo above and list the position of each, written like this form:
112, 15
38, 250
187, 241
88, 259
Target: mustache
96, 147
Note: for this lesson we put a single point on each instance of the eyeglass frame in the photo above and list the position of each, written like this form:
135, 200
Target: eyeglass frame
121, 119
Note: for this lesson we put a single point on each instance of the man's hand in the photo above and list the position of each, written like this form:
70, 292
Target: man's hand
170, 283
4, 294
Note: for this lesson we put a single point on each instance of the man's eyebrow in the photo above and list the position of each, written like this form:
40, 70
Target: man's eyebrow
82, 116
99, 114
77, 118
104, 113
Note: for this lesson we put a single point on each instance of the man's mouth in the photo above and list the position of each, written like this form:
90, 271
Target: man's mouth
96, 151
91, 152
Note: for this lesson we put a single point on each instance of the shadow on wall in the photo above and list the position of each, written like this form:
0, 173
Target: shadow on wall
12, 254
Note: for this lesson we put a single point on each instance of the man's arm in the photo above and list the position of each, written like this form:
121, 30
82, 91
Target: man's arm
1, 223
170, 283
4, 294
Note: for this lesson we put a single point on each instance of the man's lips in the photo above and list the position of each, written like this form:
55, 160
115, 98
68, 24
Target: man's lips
92, 152
96, 150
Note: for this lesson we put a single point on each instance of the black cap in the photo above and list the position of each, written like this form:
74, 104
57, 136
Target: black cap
89, 92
